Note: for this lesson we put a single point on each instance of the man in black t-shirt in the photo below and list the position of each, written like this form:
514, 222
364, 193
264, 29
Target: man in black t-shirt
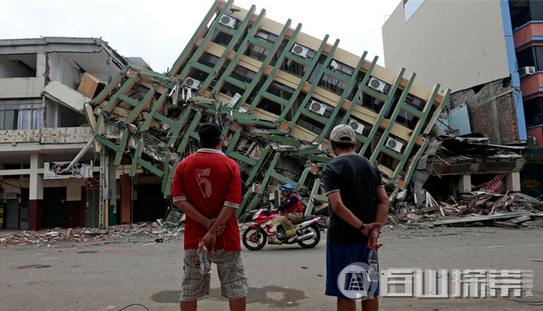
358, 209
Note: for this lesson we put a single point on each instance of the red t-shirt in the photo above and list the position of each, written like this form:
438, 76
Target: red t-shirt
209, 180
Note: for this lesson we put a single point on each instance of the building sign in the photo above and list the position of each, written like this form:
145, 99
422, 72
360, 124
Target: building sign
59, 170
11, 195
493, 186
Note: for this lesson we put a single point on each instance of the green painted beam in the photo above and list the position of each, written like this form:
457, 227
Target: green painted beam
137, 155
384, 109
164, 119
140, 106
129, 100
311, 204
109, 87
188, 48
237, 156
285, 140
243, 205
234, 141
270, 78
179, 127
111, 145
268, 173
121, 148
257, 166
154, 114
114, 100
166, 173
150, 167
381, 144
234, 61
190, 131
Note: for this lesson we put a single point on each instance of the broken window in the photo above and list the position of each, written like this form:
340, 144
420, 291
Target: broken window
18, 65
266, 36
21, 114
221, 38
208, 59
406, 119
243, 74
316, 69
257, 52
293, 67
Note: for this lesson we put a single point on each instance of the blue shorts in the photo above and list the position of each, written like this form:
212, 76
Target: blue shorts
353, 282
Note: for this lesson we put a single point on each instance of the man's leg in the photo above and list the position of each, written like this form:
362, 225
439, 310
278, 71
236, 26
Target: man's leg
371, 304
237, 305
346, 304
188, 305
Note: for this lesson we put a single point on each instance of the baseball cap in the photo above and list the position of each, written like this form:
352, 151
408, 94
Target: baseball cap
343, 133
209, 131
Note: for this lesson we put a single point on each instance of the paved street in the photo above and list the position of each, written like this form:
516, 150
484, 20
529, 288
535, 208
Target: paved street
97, 276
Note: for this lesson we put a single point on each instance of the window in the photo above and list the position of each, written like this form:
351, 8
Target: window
243, 74
208, 59
18, 66
281, 90
198, 75
310, 124
524, 11
266, 36
231, 90
532, 56
257, 52
21, 114
341, 68
270, 106
533, 111
293, 68
356, 85
410, 7
370, 102
332, 84
221, 38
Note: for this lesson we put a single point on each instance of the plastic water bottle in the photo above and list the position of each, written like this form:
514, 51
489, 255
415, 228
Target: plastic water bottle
373, 260
205, 265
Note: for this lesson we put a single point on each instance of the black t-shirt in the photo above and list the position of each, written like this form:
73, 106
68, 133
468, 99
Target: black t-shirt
357, 180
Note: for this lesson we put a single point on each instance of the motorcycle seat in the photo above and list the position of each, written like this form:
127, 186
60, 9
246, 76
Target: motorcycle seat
305, 218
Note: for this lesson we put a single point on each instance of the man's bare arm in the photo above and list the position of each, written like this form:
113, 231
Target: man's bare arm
381, 215
211, 236
191, 211
342, 211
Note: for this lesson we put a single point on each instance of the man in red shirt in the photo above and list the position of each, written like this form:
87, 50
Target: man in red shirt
207, 188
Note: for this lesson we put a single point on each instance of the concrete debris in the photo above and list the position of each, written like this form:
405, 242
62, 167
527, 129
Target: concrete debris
135, 233
512, 210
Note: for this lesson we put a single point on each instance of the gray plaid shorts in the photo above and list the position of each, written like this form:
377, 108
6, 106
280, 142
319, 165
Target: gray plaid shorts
231, 275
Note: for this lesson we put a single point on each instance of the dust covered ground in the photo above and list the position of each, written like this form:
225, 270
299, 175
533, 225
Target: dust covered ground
143, 265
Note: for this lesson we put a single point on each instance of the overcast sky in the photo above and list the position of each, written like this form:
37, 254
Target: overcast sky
158, 30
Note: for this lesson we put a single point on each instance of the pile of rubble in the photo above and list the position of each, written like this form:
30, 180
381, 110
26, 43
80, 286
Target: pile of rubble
147, 233
511, 210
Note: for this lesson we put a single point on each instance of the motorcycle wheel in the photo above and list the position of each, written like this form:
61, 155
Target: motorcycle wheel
310, 243
254, 239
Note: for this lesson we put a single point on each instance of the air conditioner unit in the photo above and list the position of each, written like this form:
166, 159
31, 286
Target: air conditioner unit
317, 107
334, 65
191, 83
234, 100
526, 71
377, 84
394, 145
357, 126
299, 50
227, 21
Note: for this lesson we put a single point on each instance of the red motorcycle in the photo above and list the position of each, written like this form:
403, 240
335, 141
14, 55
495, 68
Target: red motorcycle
269, 228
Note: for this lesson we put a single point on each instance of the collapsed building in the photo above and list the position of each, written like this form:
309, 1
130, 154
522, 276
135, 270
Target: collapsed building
277, 92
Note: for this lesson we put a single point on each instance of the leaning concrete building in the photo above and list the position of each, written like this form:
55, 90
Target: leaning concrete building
277, 92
